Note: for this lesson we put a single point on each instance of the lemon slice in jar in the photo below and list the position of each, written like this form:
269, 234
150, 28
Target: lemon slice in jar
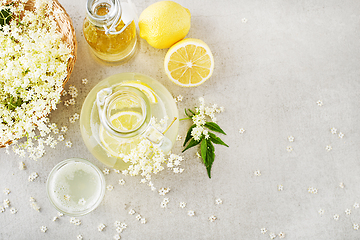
189, 63
124, 121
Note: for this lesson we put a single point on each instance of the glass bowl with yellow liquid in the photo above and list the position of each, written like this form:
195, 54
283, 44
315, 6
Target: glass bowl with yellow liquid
75, 187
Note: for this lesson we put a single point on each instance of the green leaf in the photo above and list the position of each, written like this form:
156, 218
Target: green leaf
191, 144
188, 135
214, 127
188, 114
5, 16
207, 154
216, 139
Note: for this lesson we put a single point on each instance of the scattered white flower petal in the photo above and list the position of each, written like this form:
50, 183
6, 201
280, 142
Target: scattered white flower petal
101, 227
132, 212
333, 130
163, 204
2, 209
289, 148
263, 230
244, 20
106, 171
143, 220
182, 204
280, 187
117, 237
68, 144
55, 218
121, 181
291, 138
336, 217
328, 148
218, 201
212, 218
356, 205
110, 187
64, 129
319, 103
60, 214
22, 166
191, 213
67, 197
257, 173
6, 191
241, 130
138, 217
13, 210
82, 201
281, 235
356, 226
6, 203
321, 211
341, 185
341, 135
347, 211
178, 138
35, 206
79, 237
119, 229
84, 81
272, 235
43, 229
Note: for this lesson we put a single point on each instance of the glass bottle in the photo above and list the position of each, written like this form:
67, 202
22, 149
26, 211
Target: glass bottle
110, 29
121, 111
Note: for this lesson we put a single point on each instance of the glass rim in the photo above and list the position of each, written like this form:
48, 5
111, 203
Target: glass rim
90, 208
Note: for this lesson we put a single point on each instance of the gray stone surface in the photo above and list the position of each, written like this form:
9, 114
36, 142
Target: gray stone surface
269, 74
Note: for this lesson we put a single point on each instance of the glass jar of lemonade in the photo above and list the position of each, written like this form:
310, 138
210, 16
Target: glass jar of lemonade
124, 109
110, 29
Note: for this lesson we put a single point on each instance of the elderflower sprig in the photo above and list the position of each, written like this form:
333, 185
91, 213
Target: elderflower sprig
198, 132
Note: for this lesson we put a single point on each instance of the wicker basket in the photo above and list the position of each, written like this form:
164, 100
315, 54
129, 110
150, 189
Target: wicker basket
66, 29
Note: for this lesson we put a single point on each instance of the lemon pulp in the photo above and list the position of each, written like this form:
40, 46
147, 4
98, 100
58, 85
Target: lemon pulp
123, 121
189, 63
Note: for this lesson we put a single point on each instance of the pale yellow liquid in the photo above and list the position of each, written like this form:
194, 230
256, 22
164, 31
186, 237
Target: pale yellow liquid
90, 123
110, 47
73, 182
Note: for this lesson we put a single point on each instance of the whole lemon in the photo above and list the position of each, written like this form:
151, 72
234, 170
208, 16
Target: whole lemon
164, 23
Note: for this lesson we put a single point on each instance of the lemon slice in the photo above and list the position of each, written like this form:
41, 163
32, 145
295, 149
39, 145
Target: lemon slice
126, 120
123, 121
146, 89
115, 146
189, 63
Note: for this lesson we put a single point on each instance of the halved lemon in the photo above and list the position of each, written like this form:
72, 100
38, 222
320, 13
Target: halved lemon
123, 121
146, 89
189, 62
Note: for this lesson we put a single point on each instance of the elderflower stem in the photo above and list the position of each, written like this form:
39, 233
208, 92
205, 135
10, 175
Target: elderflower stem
181, 119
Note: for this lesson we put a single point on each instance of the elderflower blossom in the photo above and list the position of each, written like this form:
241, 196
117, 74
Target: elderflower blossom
144, 164
199, 119
33, 63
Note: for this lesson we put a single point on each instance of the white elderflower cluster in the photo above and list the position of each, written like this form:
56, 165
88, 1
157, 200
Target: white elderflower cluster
199, 119
143, 163
33, 63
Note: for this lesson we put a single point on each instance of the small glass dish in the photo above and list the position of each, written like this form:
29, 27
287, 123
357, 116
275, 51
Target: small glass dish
75, 187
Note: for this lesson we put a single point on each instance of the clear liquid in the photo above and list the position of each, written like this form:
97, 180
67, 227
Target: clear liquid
162, 107
75, 187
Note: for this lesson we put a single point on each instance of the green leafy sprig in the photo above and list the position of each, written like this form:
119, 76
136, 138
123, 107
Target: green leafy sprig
207, 148
5, 16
